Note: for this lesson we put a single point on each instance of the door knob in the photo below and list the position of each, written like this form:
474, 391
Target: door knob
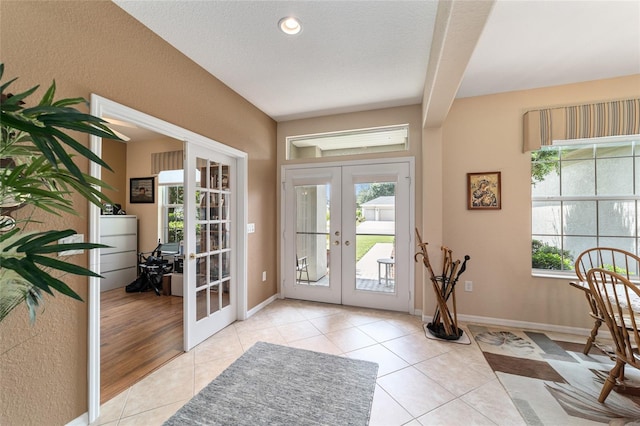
346, 243
337, 233
336, 242
192, 256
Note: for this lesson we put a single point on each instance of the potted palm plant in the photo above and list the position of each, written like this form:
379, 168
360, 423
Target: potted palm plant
38, 175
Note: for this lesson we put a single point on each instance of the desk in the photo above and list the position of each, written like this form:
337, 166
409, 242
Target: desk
388, 265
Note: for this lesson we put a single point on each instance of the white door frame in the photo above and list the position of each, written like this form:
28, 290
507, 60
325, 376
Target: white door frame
410, 226
104, 107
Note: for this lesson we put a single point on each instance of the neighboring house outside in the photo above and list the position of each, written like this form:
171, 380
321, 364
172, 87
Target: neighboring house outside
380, 209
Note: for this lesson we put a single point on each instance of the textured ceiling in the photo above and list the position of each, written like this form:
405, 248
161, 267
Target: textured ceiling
531, 44
362, 55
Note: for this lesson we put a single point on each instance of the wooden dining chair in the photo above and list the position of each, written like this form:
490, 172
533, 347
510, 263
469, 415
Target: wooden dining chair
619, 302
614, 259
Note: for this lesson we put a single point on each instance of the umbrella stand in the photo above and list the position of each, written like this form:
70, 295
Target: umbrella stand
444, 323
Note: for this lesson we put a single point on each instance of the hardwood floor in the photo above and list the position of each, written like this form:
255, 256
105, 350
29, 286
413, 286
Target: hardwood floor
140, 332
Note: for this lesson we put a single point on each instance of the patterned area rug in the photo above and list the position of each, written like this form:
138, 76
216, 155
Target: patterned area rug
552, 382
278, 385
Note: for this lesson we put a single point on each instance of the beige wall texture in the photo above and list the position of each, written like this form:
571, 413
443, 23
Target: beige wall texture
484, 134
95, 47
410, 115
114, 153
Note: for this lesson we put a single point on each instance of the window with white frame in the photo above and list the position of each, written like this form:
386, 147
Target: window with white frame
584, 195
349, 142
171, 189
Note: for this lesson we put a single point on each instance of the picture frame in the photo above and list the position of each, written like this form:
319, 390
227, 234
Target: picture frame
484, 191
142, 190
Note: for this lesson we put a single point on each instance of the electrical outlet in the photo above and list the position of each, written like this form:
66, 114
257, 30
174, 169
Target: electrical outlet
264, 275
71, 239
468, 286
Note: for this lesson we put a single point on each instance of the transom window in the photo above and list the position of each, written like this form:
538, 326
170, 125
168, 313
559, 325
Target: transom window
584, 195
349, 142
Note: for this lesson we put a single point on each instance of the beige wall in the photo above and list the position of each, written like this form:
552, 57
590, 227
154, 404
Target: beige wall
95, 47
114, 153
362, 120
484, 134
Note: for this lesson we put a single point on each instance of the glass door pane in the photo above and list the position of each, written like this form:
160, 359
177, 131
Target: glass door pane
375, 224
312, 235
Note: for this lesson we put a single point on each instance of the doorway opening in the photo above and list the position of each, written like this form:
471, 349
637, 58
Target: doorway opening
139, 330
194, 329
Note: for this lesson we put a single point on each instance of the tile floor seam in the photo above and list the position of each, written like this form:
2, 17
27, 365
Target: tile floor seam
474, 409
413, 418
124, 405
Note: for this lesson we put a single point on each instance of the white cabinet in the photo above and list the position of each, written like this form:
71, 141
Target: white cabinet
119, 262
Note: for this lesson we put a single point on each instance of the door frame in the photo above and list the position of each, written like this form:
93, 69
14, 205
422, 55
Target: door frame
100, 107
368, 162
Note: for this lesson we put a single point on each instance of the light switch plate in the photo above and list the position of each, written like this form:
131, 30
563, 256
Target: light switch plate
71, 239
251, 228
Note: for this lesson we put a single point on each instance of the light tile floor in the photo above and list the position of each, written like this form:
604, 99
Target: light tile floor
420, 381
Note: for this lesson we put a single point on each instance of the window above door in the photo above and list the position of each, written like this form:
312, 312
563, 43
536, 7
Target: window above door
349, 142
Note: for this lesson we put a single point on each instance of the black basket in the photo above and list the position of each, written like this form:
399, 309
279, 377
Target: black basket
438, 331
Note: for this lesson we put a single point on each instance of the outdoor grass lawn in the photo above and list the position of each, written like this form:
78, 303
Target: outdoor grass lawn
365, 242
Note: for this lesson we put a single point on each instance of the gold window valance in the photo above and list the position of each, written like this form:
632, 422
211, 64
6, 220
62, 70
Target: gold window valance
170, 160
616, 118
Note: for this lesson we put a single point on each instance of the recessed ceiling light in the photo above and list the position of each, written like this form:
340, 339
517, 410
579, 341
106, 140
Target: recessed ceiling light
290, 25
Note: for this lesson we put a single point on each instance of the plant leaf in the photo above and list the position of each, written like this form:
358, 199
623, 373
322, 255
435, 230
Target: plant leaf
68, 246
62, 266
47, 99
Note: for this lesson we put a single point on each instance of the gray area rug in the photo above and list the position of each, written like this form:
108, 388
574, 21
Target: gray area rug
278, 385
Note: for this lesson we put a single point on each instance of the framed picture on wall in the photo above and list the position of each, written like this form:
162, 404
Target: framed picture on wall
142, 190
483, 191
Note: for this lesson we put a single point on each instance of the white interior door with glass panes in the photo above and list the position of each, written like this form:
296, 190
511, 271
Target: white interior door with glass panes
347, 235
210, 232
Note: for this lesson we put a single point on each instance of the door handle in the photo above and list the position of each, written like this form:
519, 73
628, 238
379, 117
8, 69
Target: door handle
346, 243
336, 243
192, 256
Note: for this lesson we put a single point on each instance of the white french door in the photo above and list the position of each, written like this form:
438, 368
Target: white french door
347, 234
210, 243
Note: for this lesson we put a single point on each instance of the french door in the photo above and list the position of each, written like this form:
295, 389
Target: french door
210, 249
347, 235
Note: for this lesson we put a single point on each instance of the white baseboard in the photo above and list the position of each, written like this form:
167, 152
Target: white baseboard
261, 306
83, 420
473, 319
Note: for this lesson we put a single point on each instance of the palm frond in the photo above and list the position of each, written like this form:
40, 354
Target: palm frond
38, 171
